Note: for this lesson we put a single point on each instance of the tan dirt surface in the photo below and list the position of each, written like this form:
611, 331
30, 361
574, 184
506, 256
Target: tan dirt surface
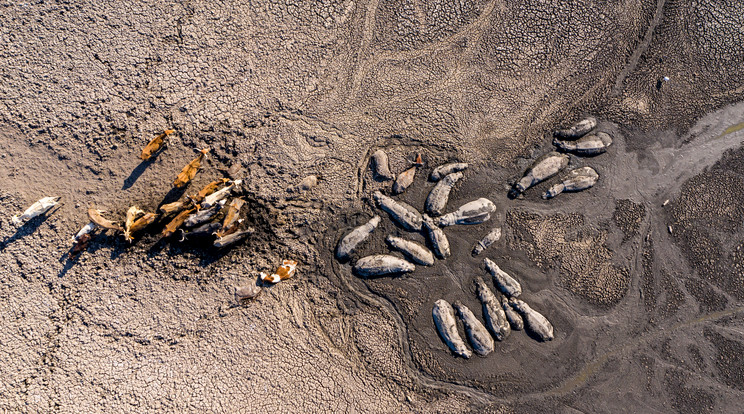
645, 298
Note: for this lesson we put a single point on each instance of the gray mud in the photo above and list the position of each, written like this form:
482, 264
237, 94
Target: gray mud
622, 215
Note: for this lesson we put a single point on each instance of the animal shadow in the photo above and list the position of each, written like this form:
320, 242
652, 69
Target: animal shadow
137, 172
173, 195
25, 229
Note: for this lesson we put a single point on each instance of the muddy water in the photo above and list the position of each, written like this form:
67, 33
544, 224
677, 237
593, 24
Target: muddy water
587, 335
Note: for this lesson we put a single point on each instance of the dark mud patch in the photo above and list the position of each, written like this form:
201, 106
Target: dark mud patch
599, 264
628, 217
707, 217
648, 287
541, 237
411, 296
580, 252
673, 296
687, 399
708, 299
729, 358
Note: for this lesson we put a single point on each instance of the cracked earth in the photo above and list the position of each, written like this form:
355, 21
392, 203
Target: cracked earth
646, 320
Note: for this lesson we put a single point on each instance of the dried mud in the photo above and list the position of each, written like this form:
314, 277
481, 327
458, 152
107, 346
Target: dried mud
645, 320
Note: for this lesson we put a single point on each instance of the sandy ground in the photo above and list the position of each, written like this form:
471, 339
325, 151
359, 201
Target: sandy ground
646, 320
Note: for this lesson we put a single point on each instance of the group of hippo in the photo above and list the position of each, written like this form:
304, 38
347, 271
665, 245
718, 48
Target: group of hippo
501, 315
430, 223
580, 139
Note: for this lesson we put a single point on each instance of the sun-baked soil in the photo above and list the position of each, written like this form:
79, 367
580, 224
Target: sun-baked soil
645, 296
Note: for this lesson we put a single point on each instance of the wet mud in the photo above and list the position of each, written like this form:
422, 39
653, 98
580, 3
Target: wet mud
599, 264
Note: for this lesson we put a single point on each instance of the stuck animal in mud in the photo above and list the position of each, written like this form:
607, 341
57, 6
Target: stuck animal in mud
502, 280
403, 214
477, 334
231, 221
207, 190
514, 318
174, 207
447, 169
204, 215
136, 221
492, 237
177, 221
349, 242
382, 265
474, 212
81, 244
578, 129
95, 216
247, 292
534, 322
437, 239
36, 209
86, 229
493, 313
404, 180
439, 195
444, 320
208, 230
284, 272
576, 180
189, 171
543, 168
588, 145
154, 145
415, 252
220, 194
381, 166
